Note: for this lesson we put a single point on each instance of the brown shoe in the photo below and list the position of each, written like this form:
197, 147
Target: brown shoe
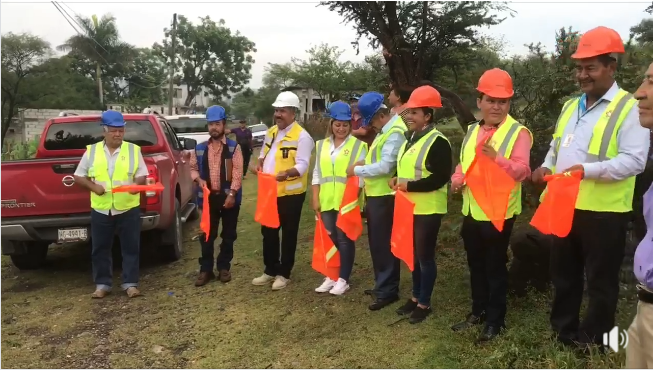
133, 292
204, 278
225, 276
100, 293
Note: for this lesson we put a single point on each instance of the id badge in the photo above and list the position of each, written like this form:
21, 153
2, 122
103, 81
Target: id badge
568, 140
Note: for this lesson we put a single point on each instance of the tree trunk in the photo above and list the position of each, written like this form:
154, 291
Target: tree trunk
98, 73
7, 119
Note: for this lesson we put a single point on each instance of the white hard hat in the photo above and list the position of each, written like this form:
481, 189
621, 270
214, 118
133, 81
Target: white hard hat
147, 110
286, 99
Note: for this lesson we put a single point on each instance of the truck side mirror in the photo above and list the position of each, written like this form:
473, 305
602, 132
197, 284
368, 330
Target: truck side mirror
189, 144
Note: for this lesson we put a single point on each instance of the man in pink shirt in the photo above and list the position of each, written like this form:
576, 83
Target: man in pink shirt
508, 143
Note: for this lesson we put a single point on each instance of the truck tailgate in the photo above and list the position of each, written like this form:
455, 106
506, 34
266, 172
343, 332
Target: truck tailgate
41, 187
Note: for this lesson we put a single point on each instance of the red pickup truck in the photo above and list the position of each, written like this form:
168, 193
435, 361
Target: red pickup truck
41, 204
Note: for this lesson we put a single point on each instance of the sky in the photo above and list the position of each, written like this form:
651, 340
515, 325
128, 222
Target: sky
285, 30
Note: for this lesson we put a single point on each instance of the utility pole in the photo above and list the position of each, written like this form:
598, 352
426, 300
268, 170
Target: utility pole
173, 55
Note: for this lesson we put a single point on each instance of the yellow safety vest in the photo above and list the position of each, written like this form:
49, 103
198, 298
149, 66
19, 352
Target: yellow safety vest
284, 159
411, 166
378, 186
613, 196
502, 141
333, 176
123, 174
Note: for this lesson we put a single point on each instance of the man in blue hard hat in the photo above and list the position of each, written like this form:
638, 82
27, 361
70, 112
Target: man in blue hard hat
218, 164
379, 167
110, 163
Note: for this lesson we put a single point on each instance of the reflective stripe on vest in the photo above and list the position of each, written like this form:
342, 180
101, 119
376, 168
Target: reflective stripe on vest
378, 185
411, 166
502, 141
603, 196
333, 177
123, 174
288, 145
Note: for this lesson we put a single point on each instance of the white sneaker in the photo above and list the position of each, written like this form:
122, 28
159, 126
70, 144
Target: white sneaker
326, 285
264, 279
340, 288
280, 282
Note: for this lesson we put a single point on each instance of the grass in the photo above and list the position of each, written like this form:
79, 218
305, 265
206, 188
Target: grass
49, 320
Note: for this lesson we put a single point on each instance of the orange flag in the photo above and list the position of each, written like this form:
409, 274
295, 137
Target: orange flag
349, 218
326, 258
491, 187
555, 214
267, 213
401, 241
205, 221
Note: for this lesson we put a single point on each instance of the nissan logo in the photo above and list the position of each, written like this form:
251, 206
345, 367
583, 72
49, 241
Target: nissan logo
68, 180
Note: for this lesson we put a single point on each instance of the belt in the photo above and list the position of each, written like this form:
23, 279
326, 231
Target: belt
644, 295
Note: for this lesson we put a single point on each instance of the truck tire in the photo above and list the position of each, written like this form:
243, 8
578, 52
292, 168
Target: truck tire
34, 257
172, 239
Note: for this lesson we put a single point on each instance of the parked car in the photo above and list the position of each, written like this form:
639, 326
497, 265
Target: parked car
191, 126
41, 204
258, 133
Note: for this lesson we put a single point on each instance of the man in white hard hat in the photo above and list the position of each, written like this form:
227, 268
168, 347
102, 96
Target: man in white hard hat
286, 153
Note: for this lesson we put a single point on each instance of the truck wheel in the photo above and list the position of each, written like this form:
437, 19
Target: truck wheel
172, 237
34, 256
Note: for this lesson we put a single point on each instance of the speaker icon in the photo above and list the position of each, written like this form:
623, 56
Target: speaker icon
616, 339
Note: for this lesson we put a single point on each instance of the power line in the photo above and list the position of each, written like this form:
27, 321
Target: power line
67, 16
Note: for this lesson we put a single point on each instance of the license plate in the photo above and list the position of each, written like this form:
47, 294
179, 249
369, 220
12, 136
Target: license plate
73, 235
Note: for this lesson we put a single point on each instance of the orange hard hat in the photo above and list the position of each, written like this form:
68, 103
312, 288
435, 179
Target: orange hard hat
424, 97
496, 83
598, 41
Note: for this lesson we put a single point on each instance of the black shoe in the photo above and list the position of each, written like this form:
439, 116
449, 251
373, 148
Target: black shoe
471, 321
381, 303
407, 308
369, 291
489, 333
419, 315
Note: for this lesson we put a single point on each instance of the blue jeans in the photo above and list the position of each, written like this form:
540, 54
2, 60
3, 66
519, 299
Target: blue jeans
425, 239
103, 229
346, 246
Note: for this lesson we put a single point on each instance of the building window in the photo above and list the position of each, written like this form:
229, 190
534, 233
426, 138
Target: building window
178, 94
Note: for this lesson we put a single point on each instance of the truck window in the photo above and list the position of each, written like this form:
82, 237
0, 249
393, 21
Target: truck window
185, 125
77, 135
170, 135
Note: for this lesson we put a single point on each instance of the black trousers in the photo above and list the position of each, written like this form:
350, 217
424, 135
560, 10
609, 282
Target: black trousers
487, 257
380, 214
247, 155
229, 217
290, 212
596, 245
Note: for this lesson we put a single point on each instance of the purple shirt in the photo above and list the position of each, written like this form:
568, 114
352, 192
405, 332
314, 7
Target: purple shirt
643, 265
243, 135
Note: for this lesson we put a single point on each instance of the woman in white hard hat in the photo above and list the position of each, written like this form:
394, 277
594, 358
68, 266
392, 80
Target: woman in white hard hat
286, 153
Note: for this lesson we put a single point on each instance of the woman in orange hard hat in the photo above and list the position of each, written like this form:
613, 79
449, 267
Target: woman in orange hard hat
423, 169
598, 134
508, 143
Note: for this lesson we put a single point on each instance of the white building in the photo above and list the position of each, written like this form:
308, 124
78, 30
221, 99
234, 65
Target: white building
309, 101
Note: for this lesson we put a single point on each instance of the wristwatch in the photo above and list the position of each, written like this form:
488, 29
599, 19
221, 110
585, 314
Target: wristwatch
231, 193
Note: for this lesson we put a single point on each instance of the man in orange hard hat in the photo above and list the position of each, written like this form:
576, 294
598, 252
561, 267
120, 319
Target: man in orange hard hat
598, 134
508, 143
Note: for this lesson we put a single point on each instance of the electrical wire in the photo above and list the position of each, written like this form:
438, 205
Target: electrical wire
68, 18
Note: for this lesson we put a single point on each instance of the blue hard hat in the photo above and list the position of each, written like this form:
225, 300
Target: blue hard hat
369, 104
113, 118
215, 113
340, 111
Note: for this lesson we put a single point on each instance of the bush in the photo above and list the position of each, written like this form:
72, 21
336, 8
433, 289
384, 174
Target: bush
317, 125
14, 151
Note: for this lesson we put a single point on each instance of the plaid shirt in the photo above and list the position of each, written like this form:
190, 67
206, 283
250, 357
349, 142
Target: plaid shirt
214, 157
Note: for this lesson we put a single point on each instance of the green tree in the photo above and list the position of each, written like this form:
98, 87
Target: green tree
322, 71
370, 75
145, 79
100, 43
20, 54
209, 55
419, 38
280, 75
